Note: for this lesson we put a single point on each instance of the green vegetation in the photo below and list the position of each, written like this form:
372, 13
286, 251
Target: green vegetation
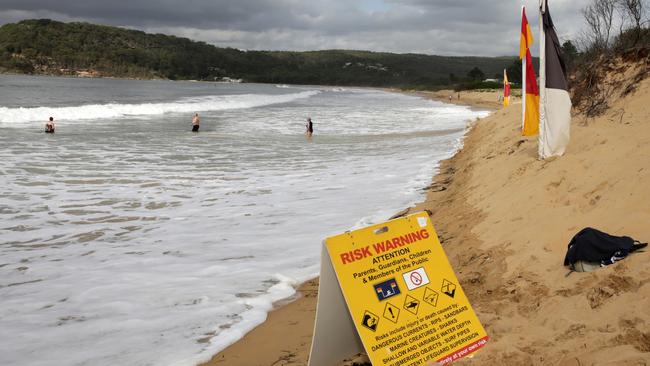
50, 47
607, 52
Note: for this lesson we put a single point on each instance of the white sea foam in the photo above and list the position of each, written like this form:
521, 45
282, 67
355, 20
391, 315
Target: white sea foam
165, 247
113, 110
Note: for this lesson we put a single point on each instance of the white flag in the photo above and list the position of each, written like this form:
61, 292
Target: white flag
555, 103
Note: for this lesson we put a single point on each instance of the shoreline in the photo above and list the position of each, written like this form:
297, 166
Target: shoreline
471, 98
505, 218
283, 338
293, 318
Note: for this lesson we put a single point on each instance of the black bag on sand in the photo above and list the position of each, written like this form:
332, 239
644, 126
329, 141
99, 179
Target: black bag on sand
591, 248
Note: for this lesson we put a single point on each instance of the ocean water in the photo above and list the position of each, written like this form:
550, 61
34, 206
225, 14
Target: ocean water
126, 239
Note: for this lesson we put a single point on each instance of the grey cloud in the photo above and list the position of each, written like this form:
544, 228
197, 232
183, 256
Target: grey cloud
201, 14
446, 27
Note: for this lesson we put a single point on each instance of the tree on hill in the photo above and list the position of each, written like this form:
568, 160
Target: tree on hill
514, 72
602, 47
476, 74
570, 53
50, 47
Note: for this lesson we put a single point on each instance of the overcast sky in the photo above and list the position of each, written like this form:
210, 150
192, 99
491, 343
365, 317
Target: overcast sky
439, 27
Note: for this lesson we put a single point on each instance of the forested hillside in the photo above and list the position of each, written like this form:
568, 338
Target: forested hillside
55, 48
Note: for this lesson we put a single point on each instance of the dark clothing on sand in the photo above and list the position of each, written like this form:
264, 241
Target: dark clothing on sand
195, 128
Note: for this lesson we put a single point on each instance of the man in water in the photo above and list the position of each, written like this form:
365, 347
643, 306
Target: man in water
310, 127
49, 126
195, 123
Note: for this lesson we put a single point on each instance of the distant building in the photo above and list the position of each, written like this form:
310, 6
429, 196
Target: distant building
226, 79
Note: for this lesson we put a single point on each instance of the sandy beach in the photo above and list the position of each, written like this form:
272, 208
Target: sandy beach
505, 219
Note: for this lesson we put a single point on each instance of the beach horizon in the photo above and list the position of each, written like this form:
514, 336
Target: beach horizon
177, 182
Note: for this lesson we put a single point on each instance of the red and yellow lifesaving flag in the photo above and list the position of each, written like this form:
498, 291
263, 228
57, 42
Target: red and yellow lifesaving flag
530, 91
506, 89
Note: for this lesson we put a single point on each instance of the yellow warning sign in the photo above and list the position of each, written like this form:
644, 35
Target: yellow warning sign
400, 265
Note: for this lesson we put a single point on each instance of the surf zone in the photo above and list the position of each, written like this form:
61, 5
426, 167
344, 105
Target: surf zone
384, 246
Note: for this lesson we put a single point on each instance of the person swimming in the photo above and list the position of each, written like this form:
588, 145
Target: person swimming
195, 123
49, 126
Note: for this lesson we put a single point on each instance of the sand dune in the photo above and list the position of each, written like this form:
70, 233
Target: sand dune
506, 219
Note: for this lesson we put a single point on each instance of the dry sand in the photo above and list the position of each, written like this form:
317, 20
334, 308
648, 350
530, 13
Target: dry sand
505, 219
481, 99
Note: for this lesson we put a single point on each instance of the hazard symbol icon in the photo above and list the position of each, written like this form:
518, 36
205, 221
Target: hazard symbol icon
370, 321
430, 297
391, 312
448, 288
411, 304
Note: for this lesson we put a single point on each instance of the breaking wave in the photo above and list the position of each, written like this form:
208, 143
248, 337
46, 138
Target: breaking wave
116, 110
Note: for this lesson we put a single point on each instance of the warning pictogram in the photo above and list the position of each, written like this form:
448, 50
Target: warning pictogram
411, 304
370, 320
387, 289
448, 288
416, 278
430, 297
391, 312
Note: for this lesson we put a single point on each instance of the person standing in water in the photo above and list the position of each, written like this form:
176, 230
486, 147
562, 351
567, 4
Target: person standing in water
310, 127
49, 126
195, 123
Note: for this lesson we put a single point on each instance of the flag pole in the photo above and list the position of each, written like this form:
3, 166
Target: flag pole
523, 82
541, 138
